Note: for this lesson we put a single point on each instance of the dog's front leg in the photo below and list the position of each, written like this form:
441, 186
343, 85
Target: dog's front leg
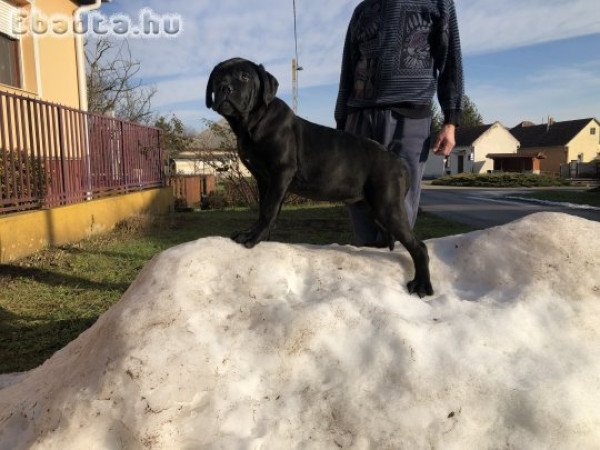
270, 204
241, 236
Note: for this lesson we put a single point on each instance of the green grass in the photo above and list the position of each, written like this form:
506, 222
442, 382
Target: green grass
500, 180
48, 299
591, 197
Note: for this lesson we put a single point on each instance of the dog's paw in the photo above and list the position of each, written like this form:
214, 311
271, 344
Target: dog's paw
235, 236
248, 238
420, 287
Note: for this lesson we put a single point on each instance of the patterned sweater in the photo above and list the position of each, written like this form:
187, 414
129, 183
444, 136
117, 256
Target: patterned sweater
397, 53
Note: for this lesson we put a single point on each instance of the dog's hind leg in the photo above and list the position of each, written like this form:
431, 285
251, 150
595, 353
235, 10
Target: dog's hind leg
394, 218
398, 225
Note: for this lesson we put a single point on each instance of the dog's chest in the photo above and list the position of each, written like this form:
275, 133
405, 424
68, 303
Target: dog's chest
251, 157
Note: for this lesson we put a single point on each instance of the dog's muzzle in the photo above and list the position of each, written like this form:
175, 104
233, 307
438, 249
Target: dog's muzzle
222, 98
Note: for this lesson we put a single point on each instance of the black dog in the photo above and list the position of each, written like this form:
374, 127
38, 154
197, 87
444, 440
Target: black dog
287, 153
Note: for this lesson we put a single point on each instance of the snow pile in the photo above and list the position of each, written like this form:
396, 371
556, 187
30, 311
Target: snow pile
288, 346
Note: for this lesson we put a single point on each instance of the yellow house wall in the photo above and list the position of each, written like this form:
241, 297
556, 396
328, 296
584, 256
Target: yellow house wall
28, 75
58, 59
57, 63
586, 143
495, 140
23, 234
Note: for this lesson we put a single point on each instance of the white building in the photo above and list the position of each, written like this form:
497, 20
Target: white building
213, 152
473, 144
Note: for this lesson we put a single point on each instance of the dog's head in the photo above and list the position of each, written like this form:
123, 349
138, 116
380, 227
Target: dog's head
238, 86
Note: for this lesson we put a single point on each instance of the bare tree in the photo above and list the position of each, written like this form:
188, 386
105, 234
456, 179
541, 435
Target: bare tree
221, 155
176, 139
113, 86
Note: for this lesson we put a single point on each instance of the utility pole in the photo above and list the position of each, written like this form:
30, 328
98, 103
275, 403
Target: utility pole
294, 85
295, 64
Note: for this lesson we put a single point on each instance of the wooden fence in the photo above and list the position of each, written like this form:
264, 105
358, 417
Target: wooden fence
52, 155
189, 190
579, 170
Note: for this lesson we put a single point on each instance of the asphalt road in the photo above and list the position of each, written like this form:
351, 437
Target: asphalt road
483, 208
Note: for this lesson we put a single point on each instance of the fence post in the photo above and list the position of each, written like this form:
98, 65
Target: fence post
87, 155
4, 149
61, 148
10, 109
123, 157
161, 165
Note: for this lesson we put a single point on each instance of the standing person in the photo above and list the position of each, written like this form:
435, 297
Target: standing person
397, 54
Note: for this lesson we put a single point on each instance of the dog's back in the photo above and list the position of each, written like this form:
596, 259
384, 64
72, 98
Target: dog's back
336, 165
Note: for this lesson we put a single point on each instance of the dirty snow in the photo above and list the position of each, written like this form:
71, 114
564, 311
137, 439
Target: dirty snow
553, 203
287, 346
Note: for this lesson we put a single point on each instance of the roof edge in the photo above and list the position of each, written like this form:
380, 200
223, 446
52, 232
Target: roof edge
591, 119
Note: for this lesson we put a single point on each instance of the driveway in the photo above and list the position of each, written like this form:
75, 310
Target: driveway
483, 208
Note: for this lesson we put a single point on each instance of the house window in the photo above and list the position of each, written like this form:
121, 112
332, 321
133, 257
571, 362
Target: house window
592, 131
9, 61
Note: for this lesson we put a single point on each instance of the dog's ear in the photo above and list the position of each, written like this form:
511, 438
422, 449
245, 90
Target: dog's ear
269, 85
209, 88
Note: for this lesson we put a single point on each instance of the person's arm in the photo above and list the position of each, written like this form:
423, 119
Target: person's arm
346, 80
450, 81
445, 140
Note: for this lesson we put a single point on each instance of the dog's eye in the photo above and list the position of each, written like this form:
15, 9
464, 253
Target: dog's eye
244, 76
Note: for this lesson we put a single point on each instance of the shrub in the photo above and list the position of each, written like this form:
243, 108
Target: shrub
507, 179
21, 176
215, 200
233, 193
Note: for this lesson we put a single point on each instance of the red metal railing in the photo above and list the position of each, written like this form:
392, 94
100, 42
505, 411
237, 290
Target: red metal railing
52, 155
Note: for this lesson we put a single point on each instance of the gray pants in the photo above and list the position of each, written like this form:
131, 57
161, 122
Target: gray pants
410, 140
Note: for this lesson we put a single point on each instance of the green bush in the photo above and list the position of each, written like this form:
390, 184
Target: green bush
507, 179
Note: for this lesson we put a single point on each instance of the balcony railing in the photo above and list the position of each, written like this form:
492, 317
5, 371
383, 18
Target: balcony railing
52, 155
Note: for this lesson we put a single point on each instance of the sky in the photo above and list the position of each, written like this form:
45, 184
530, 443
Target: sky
523, 59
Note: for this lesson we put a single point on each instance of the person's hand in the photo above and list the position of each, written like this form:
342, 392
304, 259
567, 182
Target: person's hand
445, 140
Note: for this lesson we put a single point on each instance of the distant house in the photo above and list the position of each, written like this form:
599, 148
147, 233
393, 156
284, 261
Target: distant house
560, 142
213, 152
473, 144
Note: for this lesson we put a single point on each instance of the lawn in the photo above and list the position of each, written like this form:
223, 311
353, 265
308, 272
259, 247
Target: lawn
591, 197
48, 299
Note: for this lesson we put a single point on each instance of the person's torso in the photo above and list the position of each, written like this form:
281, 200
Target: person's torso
394, 44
